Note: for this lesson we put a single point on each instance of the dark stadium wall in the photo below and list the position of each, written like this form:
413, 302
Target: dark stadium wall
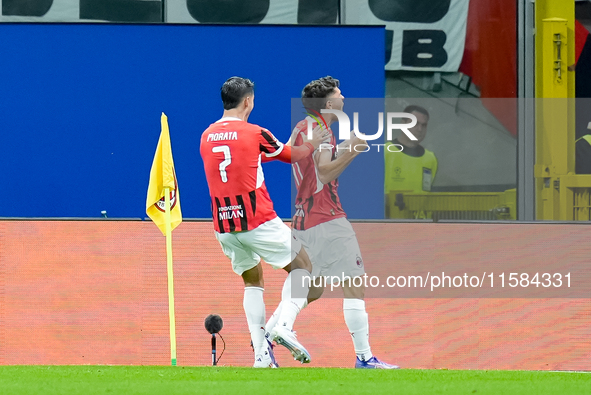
81, 107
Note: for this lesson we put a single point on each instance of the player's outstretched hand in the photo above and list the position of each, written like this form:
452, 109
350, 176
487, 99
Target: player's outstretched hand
357, 143
319, 135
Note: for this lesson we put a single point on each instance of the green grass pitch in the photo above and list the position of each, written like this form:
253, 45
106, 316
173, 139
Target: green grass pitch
230, 380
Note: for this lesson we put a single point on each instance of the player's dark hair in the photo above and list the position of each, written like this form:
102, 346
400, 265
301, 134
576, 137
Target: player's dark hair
317, 90
234, 90
419, 109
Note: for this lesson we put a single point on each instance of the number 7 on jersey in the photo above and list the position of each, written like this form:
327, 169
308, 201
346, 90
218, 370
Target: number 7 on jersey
227, 160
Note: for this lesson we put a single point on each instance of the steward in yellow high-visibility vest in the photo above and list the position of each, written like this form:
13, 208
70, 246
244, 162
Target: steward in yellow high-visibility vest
412, 170
408, 165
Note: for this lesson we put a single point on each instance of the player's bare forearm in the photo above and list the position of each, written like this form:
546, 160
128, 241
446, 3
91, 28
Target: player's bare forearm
291, 154
329, 170
300, 152
344, 145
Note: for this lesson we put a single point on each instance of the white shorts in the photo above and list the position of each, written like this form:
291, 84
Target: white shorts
333, 249
273, 241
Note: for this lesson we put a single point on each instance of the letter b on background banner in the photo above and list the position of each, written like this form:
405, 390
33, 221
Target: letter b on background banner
421, 35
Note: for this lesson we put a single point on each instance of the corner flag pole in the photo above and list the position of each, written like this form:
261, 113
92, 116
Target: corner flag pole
170, 277
165, 211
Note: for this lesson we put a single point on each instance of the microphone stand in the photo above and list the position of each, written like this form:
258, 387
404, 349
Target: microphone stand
213, 350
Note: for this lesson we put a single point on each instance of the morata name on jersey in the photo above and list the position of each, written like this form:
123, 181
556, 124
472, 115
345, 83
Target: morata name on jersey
222, 136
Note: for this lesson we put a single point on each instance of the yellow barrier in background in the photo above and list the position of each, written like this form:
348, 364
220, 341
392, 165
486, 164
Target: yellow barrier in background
453, 205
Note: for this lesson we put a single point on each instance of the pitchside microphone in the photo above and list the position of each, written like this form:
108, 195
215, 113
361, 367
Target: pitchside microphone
213, 324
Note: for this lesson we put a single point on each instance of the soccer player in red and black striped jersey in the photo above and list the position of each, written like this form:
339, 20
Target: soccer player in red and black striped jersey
245, 222
320, 221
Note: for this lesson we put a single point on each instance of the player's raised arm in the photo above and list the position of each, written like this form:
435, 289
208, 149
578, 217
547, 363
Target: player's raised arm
291, 154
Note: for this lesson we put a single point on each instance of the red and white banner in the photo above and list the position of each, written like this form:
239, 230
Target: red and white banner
422, 35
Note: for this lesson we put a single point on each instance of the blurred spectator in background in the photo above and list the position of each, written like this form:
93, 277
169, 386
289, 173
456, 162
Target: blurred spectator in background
409, 166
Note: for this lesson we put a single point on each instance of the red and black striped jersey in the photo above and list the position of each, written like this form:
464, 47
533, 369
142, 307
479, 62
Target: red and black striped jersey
231, 151
315, 202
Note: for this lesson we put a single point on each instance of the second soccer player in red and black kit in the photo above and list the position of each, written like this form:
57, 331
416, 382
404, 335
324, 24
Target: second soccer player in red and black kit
244, 220
320, 223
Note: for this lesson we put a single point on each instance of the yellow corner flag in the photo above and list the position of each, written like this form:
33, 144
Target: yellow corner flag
162, 176
163, 205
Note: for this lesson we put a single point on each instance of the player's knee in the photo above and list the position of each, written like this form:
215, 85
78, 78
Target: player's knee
314, 293
257, 283
354, 290
301, 261
253, 277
